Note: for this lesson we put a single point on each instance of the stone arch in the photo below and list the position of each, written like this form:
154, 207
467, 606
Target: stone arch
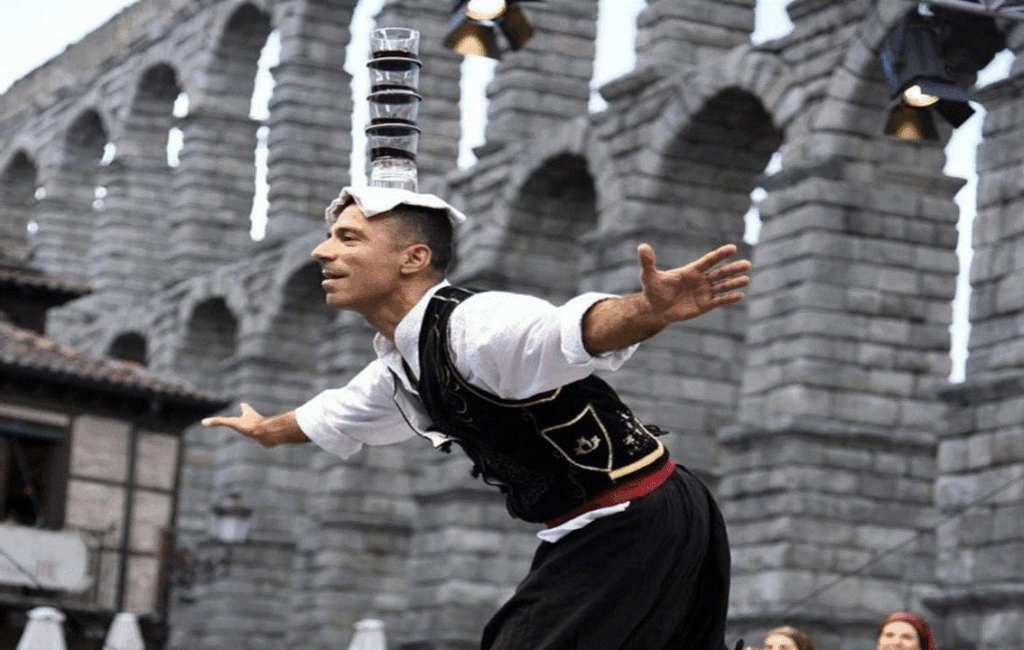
231, 72
553, 209
128, 254
297, 330
151, 111
129, 346
66, 218
687, 191
85, 138
208, 344
748, 96
712, 163
18, 182
211, 213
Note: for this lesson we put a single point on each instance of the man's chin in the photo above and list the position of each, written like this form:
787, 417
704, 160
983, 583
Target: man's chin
336, 301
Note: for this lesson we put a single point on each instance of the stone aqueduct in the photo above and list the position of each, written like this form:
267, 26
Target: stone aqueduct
855, 478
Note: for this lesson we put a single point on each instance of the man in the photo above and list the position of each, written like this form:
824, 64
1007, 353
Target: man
634, 556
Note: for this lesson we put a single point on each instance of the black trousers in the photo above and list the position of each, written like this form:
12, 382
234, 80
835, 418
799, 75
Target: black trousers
653, 577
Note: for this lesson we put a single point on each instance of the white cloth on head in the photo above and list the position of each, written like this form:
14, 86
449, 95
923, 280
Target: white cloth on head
376, 200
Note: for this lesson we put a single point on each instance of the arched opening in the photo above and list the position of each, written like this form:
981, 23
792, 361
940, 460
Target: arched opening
135, 187
208, 346
541, 253
152, 114
130, 346
299, 330
263, 89
66, 218
696, 195
87, 149
17, 205
715, 162
218, 127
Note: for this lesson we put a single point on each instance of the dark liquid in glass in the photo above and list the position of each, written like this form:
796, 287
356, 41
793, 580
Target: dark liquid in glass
391, 152
385, 53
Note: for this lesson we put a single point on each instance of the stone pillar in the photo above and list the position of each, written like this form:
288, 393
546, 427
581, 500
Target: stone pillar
17, 205
466, 556
128, 259
980, 490
691, 32
831, 463
548, 81
439, 116
352, 554
213, 190
66, 219
310, 139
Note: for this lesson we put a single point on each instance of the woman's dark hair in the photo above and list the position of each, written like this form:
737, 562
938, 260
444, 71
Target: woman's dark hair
925, 640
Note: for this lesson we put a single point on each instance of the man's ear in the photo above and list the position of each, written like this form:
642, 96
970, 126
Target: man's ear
416, 258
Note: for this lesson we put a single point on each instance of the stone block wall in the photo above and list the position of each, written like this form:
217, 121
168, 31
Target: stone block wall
818, 409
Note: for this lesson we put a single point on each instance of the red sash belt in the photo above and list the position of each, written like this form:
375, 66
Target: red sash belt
628, 491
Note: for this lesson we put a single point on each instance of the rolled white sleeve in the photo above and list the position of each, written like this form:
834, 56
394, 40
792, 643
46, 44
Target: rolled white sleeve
342, 420
516, 346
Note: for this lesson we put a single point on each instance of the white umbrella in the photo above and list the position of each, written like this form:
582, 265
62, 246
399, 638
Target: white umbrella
44, 630
124, 633
369, 635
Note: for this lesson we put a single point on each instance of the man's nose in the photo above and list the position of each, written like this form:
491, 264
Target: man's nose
320, 252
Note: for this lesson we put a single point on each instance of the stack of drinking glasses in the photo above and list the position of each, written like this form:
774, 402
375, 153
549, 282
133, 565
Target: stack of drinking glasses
392, 136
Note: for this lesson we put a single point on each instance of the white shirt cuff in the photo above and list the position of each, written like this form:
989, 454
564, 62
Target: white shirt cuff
312, 421
571, 325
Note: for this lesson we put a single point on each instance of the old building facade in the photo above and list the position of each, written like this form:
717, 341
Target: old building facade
855, 478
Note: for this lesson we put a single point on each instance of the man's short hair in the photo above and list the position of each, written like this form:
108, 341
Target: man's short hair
430, 226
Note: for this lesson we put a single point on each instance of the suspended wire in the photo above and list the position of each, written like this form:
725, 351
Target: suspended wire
959, 511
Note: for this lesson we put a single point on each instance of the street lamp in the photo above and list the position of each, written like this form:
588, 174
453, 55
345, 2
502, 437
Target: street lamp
231, 519
230, 527
919, 82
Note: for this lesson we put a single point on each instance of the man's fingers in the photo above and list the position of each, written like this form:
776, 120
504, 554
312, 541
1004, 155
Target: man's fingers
248, 413
729, 270
714, 257
727, 298
731, 284
645, 253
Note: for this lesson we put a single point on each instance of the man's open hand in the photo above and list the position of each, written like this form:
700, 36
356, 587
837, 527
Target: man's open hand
268, 431
695, 289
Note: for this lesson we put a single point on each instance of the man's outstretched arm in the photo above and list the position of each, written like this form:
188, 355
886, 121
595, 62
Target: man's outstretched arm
268, 431
667, 297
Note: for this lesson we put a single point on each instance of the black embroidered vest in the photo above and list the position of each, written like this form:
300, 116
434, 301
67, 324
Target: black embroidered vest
549, 453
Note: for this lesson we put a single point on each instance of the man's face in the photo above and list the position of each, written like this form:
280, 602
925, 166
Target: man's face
361, 259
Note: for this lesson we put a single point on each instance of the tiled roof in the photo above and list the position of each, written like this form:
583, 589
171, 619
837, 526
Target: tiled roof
25, 351
23, 276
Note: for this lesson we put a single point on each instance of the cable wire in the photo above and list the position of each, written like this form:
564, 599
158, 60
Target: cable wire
960, 511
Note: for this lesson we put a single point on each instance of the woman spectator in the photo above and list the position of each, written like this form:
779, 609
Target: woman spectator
788, 637
904, 631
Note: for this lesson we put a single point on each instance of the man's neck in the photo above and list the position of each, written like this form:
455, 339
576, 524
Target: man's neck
386, 317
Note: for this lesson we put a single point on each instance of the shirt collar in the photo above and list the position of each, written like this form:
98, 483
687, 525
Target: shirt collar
407, 332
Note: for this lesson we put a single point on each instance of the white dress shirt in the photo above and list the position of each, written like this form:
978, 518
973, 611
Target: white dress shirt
511, 345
